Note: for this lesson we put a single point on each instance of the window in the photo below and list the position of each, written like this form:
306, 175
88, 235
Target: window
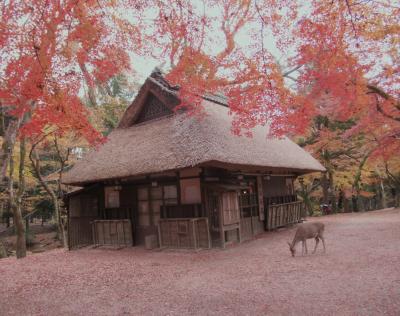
170, 195
248, 204
151, 200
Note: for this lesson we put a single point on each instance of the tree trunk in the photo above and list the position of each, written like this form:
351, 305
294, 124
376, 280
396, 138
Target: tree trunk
17, 214
325, 188
35, 160
21, 178
345, 205
332, 193
341, 199
3, 251
397, 197
357, 181
90, 85
354, 201
383, 194
7, 148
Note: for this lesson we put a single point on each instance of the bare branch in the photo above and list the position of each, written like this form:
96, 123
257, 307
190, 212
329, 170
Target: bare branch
287, 73
351, 17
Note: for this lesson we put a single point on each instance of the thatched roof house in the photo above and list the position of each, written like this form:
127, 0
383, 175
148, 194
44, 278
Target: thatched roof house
154, 142
173, 142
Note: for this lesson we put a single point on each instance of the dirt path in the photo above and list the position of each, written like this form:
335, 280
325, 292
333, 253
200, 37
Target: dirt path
359, 275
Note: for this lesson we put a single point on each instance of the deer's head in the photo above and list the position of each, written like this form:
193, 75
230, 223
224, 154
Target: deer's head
292, 249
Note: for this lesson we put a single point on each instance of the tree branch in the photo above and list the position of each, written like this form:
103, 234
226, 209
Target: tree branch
380, 110
287, 73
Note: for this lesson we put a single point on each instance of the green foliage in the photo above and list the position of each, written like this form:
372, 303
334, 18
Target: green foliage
114, 97
111, 114
44, 207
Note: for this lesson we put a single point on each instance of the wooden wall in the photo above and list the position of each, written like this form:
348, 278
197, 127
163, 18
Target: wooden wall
224, 222
277, 186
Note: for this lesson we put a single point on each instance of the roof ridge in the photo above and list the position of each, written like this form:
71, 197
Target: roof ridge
157, 76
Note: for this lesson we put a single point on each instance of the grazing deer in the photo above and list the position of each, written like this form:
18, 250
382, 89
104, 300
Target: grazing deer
307, 231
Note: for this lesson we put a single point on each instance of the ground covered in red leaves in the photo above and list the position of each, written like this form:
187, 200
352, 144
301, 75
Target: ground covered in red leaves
359, 275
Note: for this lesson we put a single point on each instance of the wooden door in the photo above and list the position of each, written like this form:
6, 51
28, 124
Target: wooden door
229, 218
230, 208
213, 210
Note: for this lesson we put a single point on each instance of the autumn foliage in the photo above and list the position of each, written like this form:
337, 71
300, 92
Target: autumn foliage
48, 50
280, 63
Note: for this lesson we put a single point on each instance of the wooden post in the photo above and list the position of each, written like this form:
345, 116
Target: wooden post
93, 233
208, 234
68, 226
159, 234
104, 235
260, 198
123, 231
221, 224
194, 233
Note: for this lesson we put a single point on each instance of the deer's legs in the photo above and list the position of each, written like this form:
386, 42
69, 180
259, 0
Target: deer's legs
323, 241
316, 244
305, 246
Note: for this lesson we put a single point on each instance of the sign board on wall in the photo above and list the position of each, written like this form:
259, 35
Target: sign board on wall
112, 197
260, 193
190, 191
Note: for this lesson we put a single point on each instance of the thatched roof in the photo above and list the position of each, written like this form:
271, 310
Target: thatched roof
177, 141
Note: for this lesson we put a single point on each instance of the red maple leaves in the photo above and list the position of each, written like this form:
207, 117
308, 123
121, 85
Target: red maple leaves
341, 59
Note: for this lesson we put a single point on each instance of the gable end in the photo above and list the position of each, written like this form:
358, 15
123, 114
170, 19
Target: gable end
152, 109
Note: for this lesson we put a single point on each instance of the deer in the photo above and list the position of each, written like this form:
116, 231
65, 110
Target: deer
307, 231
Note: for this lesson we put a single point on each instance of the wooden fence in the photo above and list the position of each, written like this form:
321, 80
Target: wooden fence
116, 233
184, 233
80, 232
279, 215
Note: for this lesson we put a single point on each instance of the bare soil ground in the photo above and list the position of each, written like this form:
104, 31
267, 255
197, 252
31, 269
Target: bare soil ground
44, 238
359, 275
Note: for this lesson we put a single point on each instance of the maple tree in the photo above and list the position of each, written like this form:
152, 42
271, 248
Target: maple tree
48, 50
51, 48
353, 48
343, 52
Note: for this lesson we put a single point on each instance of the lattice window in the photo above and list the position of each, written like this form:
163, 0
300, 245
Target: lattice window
153, 109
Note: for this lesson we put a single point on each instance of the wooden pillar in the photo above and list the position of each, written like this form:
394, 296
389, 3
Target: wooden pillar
221, 225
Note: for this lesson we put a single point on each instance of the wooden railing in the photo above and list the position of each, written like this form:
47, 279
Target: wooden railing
279, 215
184, 233
116, 233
